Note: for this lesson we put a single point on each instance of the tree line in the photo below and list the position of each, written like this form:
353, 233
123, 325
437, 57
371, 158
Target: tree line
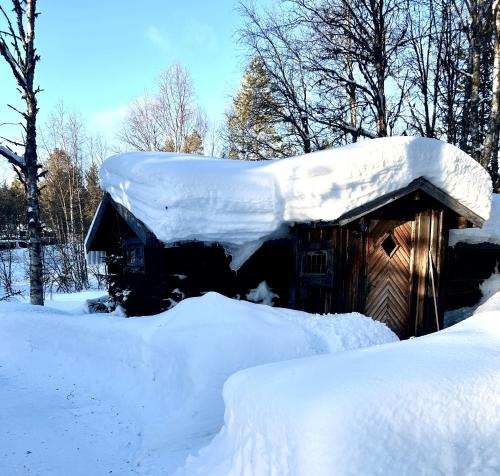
69, 196
330, 72
319, 73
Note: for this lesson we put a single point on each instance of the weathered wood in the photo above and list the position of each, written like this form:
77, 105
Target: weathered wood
417, 184
388, 274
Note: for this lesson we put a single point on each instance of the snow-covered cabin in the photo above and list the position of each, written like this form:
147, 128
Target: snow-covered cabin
362, 227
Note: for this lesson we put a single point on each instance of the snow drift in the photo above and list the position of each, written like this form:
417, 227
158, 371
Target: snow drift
429, 405
239, 204
163, 376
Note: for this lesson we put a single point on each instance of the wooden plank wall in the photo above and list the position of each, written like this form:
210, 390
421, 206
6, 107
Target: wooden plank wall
430, 234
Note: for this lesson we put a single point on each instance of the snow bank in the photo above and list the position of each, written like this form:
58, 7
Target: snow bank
239, 204
489, 233
425, 406
163, 374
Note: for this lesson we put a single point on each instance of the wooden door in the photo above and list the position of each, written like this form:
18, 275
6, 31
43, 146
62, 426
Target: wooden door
388, 273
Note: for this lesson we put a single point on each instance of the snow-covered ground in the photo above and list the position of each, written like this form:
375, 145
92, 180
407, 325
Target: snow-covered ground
425, 406
94, 394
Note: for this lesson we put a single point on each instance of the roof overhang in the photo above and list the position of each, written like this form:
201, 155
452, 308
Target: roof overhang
138, 227
417, 184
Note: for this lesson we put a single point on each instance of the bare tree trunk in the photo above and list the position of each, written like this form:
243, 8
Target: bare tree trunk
33, 215
475, 49
22, 58
490, 151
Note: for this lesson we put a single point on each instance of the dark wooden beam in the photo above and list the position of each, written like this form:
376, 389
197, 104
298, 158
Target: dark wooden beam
417, 184
146, 236
96, 223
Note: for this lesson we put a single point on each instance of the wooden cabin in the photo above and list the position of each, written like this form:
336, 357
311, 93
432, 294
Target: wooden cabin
387, 259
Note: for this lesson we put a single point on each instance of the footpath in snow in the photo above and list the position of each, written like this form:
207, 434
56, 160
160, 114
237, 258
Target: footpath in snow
101, 394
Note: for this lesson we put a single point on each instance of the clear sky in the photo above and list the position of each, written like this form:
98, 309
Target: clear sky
98, 55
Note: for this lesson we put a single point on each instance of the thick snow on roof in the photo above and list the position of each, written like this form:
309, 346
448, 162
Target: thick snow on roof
237, 203
489, 233
425, 406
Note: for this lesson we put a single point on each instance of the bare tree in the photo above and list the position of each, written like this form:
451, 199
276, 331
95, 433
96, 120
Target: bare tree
476, 21
17, 47
65, 194
170, 119
274, 38
141, 129
424, 65
490, 151
356, 50
8, 260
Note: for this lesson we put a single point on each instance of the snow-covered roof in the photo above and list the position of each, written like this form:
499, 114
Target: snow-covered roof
489, 233
240, 204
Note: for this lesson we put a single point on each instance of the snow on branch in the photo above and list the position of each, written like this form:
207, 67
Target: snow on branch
12, 157
14, 65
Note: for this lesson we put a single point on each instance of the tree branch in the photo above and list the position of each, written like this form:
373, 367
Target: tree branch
12, 157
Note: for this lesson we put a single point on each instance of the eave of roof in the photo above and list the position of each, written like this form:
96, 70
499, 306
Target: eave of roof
418, 184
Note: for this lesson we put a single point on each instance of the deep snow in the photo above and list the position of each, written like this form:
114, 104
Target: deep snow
95, 394
425, 406
241, 203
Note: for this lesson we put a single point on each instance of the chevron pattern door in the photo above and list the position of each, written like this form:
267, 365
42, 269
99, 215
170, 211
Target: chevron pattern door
388, 273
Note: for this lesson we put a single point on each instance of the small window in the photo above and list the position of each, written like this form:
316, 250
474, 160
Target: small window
314, 262
135, 256
389, 246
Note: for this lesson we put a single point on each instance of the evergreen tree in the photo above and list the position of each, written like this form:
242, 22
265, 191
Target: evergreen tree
93, 194
193, 144
250, 128
62, 201
12, 205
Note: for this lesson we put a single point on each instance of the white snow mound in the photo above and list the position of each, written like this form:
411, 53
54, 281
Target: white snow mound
152, 386
488, 233
240, 203
425, 406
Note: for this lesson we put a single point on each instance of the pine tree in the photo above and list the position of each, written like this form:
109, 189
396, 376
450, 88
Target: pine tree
193, 144
251, 131
93, 194
12, 203
62, 201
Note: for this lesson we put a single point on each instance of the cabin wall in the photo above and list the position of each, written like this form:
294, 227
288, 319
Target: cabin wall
429, 272
328, 269
171, 274
337, 280
469, 266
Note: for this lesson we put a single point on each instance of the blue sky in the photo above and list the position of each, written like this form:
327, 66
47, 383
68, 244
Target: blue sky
97, 56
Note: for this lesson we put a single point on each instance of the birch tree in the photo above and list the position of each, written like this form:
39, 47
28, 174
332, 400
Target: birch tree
490, 151
17, 48
168, 120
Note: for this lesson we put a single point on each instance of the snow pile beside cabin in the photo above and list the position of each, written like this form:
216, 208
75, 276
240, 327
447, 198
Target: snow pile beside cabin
429, 405
97, 393
488, 233
239, 204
